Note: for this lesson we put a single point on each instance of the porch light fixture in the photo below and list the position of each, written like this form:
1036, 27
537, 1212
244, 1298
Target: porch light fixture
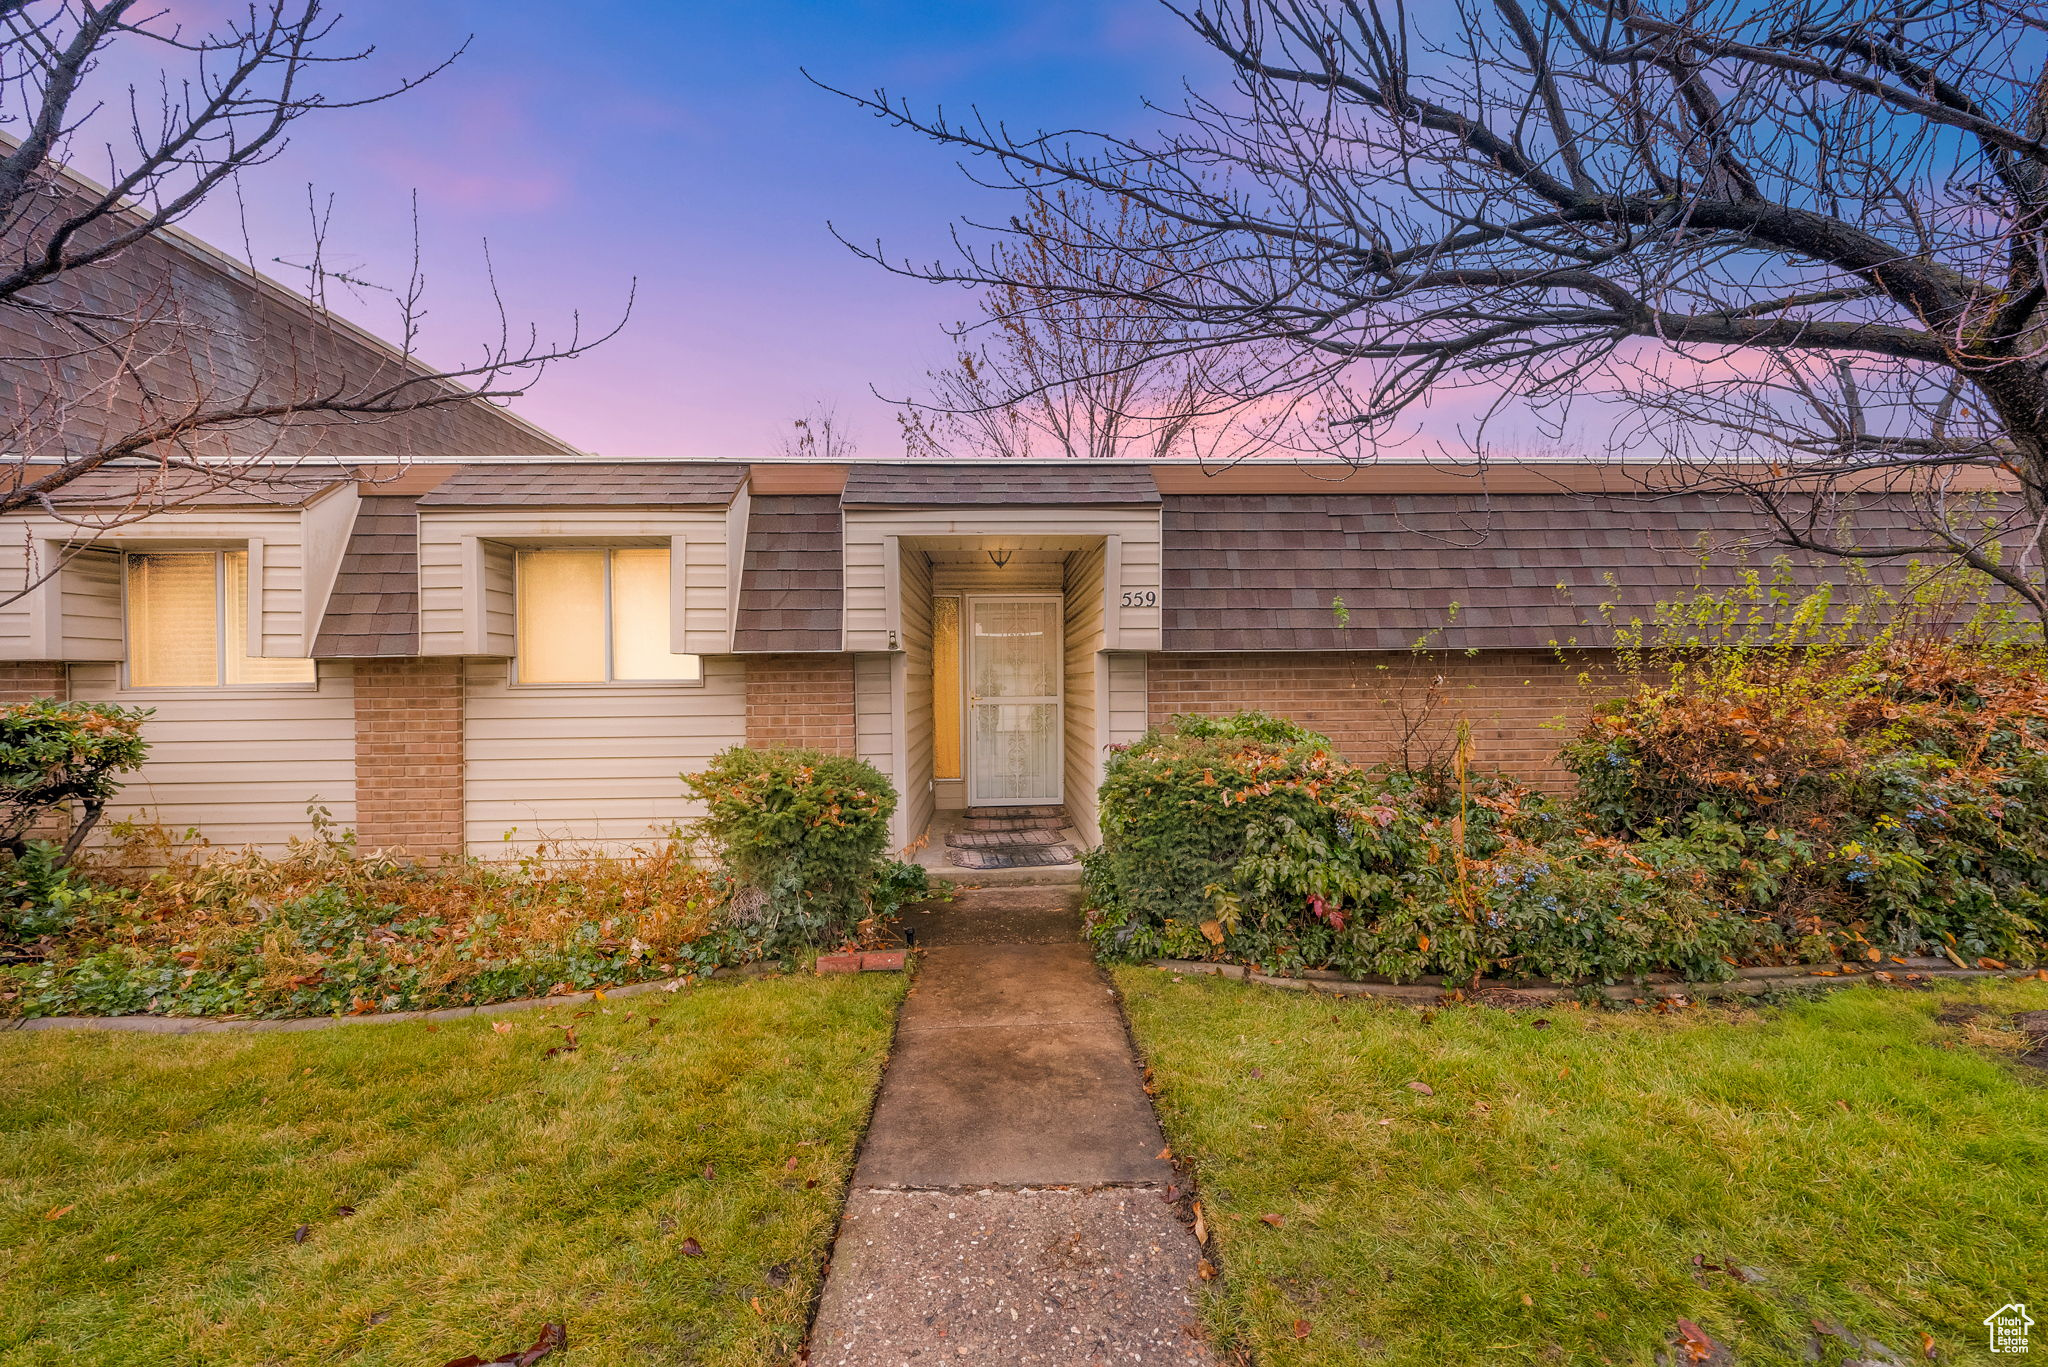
1000, 558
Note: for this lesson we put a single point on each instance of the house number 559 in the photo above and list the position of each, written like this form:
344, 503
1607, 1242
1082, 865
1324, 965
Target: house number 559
1145, 599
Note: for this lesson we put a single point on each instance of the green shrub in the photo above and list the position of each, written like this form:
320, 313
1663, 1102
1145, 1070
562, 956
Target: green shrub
1889, 797
803, 836
1218, 844
53, 753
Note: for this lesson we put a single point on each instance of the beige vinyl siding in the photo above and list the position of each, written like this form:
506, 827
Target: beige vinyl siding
1084, 710
986, 577
89, 598
1128, 692
588, 764
466, 570
324, 528
1134, 568
874, 725
240, 764
916, 635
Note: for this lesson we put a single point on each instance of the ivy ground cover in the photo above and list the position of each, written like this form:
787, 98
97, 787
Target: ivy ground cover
659, 1175
1769, 1186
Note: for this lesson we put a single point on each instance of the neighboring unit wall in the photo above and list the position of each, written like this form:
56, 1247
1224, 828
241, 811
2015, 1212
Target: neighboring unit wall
409, 755
589, 764
1376, 704
1084, 712
242, 765
874, 726
804, 700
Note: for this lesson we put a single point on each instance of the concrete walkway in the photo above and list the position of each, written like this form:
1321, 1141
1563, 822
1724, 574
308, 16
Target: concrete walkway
1011, 1202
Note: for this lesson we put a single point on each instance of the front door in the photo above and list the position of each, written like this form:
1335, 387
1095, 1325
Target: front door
1013, 701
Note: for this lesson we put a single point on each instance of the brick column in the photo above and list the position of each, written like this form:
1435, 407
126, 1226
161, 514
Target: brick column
27, 680
409, 755
801, 700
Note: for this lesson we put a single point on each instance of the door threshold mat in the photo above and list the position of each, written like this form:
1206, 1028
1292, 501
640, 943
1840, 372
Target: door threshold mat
1014, 823
1003, 813
1013, 857
994, 840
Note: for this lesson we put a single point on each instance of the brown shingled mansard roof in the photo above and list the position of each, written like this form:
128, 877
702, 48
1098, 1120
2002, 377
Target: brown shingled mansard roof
374, 609
590, 484
790, 590
1457, 571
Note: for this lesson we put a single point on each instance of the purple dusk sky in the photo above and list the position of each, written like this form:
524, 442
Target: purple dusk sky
679, 144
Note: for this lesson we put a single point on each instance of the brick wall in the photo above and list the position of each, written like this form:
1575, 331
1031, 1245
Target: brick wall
1376, 704
409, 755
27, 680
801, 700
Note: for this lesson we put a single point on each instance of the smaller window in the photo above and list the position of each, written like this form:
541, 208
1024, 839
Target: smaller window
597, 616
188, 623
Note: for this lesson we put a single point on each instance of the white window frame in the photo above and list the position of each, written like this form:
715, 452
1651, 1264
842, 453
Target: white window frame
222, 626
605, 607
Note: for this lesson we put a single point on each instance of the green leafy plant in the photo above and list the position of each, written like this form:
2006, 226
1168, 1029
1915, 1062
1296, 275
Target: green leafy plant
802, 835
53, 754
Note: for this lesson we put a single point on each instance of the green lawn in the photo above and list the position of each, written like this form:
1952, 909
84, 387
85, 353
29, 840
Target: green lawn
1868, 1159
150, 1188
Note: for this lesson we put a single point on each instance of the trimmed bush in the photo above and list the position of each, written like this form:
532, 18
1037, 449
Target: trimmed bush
1250, 840
53, 753
803, 836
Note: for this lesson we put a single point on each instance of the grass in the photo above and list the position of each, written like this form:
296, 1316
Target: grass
1872, 1161
150, 1187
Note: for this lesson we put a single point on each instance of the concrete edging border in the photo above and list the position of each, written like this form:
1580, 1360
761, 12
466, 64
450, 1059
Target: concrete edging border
1747, 982
202, 1025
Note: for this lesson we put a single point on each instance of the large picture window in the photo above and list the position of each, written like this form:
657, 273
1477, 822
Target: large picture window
597, 616
188, 623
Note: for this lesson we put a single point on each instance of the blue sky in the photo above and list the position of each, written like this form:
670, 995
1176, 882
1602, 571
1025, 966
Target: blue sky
679, 143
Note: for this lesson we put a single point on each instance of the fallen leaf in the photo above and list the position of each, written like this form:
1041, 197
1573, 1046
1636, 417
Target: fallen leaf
709, 1172
302, 1233
1206, 1270
791, 1164
1165, 1155
552, 1336
1422, 1087
1271, 1219
1694, 1342
502, 1027
755, 1301
1257, 1074
1201, 1226
692, 1249
1539, 1024
1927, 1349
61, 1211
1528, 1299
344, 1212
379, 1317
1212, 931
1301, 1329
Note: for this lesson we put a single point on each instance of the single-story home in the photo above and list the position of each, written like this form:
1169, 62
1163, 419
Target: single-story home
453, 631
485, 655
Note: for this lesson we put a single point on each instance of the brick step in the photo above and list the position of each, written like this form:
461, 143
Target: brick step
979, 839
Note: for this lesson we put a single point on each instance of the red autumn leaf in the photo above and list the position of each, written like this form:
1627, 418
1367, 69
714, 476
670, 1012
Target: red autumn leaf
1694, 1342
1301, 1329
1273, 1220
692, 1249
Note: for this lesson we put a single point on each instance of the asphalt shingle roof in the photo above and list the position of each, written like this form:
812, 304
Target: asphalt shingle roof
374, 609
1260, 572
790, 581
589, 484
1078, 483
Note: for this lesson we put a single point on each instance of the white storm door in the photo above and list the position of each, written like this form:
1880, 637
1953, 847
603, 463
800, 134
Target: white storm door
1013, 702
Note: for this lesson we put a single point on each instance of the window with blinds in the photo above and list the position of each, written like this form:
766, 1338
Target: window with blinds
596, 615
188, 624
